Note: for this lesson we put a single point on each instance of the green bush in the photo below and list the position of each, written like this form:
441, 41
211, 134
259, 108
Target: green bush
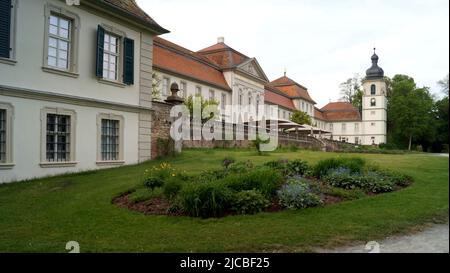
298, 196
153, 182
211, 175
323, 167
279, 165
265, 180
240, 167
172, 187
249, 202
371, 182
297, 167
210, 199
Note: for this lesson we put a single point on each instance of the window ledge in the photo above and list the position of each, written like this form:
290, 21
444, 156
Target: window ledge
60, 72
7, 61
6, 166
113, 83
111, 163
57, 164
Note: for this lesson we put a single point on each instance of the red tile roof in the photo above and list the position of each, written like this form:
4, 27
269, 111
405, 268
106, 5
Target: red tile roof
131, 8
341, 111
223, 56
173, 58
274, 96
292, 89
318, 114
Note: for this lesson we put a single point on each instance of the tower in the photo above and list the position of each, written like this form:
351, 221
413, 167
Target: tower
374, 105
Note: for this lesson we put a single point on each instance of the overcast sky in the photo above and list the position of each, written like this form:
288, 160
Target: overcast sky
321, 43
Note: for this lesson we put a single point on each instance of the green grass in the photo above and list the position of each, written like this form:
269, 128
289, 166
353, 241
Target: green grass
43, 215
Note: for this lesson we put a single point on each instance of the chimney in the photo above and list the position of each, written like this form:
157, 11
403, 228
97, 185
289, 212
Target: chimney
220, 40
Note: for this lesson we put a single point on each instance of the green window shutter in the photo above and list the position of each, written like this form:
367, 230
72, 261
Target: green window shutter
5, 28
128, 61
100, 51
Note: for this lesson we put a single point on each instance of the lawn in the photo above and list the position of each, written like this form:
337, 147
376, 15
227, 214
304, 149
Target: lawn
43, 215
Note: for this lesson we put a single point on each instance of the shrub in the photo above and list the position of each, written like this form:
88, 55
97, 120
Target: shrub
155, 177
297, 196
371, 182
210, 175
249, 202
210, 199
227, 161
165, 147
264, 180
172, 187
279, 165
240, 167
297, 167
355, 165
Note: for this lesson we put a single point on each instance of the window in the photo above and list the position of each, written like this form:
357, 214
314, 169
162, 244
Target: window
373, 89
61, 41
183, 90
356, 127
7, 31
344, 127
198, 91
249, 99
115, 57
111, 57
373, 102
212, 95
331, 127
58, 137
303, 106
240, 99
356, 140
224, 101
373, 140
2, 135
165, 87
110, 139
6, 139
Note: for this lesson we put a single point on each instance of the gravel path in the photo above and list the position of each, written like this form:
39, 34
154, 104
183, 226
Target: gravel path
432, 240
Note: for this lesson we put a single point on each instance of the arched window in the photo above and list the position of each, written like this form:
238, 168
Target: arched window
373, 102
373, 89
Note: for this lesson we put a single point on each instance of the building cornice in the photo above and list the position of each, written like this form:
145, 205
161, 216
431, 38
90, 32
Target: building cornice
25, 93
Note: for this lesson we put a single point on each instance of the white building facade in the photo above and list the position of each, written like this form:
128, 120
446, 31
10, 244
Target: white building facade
75, 86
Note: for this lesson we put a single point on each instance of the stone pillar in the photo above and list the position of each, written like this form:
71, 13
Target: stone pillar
173, 100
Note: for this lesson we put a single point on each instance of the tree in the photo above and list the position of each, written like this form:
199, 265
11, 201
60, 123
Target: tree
189, 102
301, 118
156, 81
444, 85
357, 100
350, 88
410, 111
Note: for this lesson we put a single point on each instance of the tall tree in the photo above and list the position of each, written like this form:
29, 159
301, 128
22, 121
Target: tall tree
444, 85
301, 118
350, 88
410, 110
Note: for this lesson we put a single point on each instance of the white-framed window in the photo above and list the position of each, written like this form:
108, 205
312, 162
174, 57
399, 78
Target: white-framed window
344, 127
183, 89
212, 94
240, 98
224, 101
165, 86
331, 127
356, 127
6, 136
58, 137
198, 91
356, 140
303, 106
61, 41
373, 102
110, 139
111, 56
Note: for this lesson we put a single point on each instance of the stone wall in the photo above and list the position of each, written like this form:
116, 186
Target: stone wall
161, 123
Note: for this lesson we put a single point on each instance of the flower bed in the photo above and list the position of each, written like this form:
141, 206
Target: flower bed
242, 188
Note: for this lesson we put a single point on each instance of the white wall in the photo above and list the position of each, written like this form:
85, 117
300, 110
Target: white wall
27, 139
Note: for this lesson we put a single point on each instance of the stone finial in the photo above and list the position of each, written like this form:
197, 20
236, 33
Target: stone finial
221, 40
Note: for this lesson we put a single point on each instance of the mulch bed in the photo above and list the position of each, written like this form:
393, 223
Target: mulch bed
161, 206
